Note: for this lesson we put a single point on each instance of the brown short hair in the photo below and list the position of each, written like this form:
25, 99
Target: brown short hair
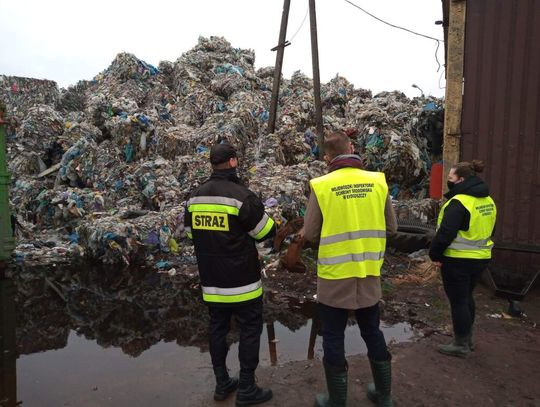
336, 143
467, 169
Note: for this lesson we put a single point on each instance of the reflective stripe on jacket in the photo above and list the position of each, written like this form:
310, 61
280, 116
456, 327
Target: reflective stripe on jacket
224, 219
353, 233
474, 243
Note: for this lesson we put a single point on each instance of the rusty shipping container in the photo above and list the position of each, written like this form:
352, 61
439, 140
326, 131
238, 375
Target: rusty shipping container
500, 121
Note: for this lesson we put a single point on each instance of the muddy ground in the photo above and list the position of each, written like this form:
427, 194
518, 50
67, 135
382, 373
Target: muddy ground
504, 369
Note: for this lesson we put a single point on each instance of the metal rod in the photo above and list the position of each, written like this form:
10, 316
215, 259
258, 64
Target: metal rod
272, 346
316, 77
279, 65
315, 327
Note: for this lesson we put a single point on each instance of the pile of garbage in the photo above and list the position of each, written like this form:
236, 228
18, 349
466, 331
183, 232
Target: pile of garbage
108, 163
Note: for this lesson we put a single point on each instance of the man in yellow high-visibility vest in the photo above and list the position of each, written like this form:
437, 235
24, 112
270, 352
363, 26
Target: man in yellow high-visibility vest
348, 214
462, 248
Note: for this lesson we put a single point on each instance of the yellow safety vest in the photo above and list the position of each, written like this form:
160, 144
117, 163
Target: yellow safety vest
476, 242
353, 234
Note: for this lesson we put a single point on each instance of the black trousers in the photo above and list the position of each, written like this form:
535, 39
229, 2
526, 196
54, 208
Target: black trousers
249, 320
334, 322
459, 282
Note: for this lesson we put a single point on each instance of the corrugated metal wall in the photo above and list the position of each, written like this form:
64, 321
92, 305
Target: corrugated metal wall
501, 112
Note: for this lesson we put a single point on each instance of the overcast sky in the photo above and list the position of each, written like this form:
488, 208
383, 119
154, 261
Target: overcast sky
69, 40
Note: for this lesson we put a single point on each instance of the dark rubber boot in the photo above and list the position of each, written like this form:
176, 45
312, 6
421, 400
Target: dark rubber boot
248, 392
225, 385
380, 392
336, 382
459, 347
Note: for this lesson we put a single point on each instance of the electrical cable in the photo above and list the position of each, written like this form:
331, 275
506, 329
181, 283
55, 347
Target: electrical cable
436, 57
402, 28
440, 77
301, 25
390, 24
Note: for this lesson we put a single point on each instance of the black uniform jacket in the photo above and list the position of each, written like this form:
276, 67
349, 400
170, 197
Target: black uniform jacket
225, 243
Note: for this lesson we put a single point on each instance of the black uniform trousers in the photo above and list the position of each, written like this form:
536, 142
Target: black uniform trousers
459, 282
334, 322
249, 320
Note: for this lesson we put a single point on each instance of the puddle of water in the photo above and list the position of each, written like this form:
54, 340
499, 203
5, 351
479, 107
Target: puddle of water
76, 351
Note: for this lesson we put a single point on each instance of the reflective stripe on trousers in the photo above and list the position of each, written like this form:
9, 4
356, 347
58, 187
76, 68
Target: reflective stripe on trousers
234, 294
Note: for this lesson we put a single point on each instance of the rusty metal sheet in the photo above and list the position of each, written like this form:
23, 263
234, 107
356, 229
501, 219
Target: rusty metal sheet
500, 121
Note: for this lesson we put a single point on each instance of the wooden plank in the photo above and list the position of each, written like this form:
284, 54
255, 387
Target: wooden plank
49, 170
454, 86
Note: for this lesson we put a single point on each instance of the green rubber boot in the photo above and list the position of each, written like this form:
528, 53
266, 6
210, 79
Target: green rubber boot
459, 347
336, 382
380, 392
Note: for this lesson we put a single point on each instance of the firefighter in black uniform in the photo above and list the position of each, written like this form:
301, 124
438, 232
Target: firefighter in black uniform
225, 220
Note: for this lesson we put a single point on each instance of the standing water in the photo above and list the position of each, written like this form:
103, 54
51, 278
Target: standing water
132, 338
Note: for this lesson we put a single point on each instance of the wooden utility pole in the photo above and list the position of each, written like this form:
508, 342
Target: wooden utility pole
316, 77
279, 65
454, 85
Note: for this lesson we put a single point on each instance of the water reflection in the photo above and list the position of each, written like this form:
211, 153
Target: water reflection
75, 326
8, 358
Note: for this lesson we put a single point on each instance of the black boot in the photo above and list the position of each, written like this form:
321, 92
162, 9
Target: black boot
380, 392
336, 382
225, 385
248, 392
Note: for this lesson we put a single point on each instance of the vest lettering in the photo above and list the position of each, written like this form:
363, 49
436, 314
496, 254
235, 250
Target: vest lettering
211, 221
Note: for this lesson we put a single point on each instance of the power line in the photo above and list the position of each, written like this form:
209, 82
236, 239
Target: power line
401, 28
390, 24
301, 25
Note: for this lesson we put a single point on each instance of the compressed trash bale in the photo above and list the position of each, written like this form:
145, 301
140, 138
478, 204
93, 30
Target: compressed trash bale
157, 182
41, 126
23, 194
198, 104
69, 164
75, 131
284, 189
225, 85
36, 144
239, 129
127, 66
170, 142
74, 98
423, 210
112, 240
21, 94
267, 149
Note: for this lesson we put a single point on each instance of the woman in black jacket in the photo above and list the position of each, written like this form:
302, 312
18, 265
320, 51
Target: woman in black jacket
462, 247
